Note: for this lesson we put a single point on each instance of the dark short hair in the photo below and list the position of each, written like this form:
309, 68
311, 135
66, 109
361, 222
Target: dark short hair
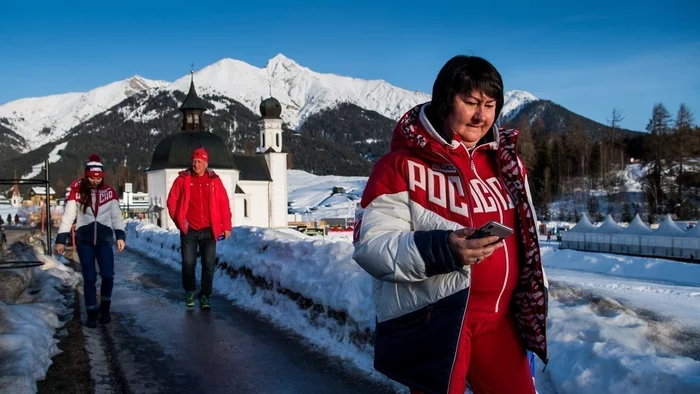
462, 74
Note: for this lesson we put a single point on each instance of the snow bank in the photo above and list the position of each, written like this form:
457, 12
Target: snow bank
27, 327
654, 269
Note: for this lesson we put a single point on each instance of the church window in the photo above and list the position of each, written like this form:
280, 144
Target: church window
196, 118
263, 139
245, 209
277, 139
189, 118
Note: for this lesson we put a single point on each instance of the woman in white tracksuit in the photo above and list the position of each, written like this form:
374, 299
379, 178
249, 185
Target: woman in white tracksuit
99, 219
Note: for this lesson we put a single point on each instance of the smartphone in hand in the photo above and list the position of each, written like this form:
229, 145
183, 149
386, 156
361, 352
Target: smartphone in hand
492, 228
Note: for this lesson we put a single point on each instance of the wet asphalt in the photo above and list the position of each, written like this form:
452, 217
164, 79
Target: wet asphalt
157, 345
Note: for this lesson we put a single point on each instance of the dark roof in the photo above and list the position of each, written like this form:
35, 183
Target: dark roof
175, 151
270, 108
239, 190
252, 168
192, 101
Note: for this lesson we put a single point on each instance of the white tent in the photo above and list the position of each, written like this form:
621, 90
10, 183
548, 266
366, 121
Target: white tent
579, 236
668, 228
690, 244
637, 227
583, 226
603, 239
630, 239
609, 226
663, 239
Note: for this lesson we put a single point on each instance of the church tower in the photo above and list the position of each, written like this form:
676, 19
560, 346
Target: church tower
192, 109
16, 199
271, 146
174, 154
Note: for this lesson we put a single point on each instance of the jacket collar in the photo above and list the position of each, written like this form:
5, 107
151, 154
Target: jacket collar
188, 172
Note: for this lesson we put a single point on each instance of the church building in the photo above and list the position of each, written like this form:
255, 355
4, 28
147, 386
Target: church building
256, 184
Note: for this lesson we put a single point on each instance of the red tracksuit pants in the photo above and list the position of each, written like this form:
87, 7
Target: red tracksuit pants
498, 363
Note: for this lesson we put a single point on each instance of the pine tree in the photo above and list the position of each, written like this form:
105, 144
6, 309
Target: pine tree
594, 209
626, 213
683, 129
526, 145
658, 127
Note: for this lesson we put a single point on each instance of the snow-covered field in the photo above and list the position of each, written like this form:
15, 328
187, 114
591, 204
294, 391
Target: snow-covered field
28, 327
312, 196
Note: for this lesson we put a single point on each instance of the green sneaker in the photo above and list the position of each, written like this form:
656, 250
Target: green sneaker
204, 302
189, 299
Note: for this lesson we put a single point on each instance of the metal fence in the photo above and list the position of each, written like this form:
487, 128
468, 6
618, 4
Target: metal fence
47, 206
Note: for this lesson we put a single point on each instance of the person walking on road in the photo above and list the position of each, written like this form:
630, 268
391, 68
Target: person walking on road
96, 207
199, 206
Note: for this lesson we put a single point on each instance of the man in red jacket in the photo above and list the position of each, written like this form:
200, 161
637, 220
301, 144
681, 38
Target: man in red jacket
199, 206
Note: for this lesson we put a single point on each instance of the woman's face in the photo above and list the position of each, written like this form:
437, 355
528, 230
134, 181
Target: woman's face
471, 117
94, 182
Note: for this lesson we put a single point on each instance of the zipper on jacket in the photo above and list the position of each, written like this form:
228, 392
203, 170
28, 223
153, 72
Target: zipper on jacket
505, 247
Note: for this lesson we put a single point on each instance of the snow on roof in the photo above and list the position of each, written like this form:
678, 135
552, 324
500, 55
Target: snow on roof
583, 226
42, 190
668, 228
609, 226
637, 227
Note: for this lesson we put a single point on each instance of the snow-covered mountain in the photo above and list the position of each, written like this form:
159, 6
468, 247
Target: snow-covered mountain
301, 91
44, 119
514, 102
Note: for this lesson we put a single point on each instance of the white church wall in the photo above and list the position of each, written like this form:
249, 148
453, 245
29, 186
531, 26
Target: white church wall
277, 163
156, 191
229, 178
257, 200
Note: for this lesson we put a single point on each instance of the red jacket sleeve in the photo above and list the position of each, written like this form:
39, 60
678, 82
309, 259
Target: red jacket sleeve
224, 206
174, 199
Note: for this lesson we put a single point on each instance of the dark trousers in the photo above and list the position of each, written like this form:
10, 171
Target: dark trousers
207, 247
105, 259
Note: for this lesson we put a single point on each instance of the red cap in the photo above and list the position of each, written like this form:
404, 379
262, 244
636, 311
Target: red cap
94, 168
201, 154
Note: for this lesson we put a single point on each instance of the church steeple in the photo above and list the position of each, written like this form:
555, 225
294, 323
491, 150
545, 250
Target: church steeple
192, 109
270, 124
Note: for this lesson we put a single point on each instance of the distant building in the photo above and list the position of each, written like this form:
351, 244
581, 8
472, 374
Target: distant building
256, 184
37, 194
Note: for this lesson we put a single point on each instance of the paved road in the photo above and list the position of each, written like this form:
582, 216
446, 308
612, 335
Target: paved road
159, 346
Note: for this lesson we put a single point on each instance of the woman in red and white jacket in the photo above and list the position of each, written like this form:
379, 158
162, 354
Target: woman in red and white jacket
99, 219
453, 310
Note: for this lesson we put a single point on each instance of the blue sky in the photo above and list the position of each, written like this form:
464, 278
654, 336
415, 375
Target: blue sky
588, 56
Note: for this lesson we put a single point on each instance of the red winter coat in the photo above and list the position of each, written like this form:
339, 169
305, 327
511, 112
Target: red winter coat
417, 194
219, 207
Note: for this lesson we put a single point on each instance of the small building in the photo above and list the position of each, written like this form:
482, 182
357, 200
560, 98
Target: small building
37, 194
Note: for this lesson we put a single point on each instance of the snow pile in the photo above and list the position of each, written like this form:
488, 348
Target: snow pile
601, 347
27, 327
654, 269
318, 270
